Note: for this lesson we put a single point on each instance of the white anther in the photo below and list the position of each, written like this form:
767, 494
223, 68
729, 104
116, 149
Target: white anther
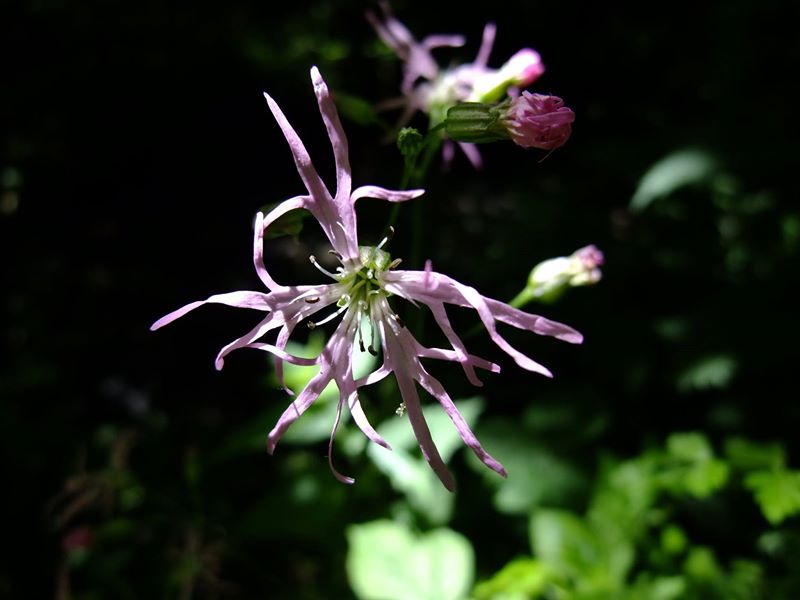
389, 235
314, 262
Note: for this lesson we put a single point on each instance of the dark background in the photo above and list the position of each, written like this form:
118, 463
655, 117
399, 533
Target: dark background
135, 148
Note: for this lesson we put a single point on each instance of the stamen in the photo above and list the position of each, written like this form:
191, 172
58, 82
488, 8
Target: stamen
389, 235
398, 320
311, 325
395, 263
401, 410
361, 306
331, 316
314, 262
335, 253
312, 299
371, 346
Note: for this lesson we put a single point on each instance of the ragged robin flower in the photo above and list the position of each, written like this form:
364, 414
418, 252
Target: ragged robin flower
359, 293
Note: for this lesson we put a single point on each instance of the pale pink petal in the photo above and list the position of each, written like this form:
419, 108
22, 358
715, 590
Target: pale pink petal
448, 151
535, 323
473, 154
283, 355
267, 325
363, 423
487, 42
411, 399
435, 389
241, 299
439, 313
300, 405
261, 225
450, 355
443, 41
280, 342
380, 373
302, 160
427, 286
373, 191
336, 473
335, 133
472, 296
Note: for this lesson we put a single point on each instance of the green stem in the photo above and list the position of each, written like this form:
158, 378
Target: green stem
521, 299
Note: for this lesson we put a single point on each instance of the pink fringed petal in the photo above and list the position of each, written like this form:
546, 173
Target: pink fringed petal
439, 313
283, 355
241, 299
487, 41
335, 133
302, 160
373, 191
300, 405
531, 322
421, 432
435, 389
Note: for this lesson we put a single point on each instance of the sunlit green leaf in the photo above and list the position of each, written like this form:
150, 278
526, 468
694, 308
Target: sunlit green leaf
657, 588
777, 493
567, 544
521, 579
387, 561
701, 564
624, 497
691, 466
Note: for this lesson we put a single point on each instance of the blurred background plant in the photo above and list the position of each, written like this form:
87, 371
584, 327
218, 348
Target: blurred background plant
661, 462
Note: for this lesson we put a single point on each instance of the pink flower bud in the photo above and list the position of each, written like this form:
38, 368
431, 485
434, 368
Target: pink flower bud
524, 67
539, 121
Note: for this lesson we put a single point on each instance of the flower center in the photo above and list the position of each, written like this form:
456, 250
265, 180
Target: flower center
362, 286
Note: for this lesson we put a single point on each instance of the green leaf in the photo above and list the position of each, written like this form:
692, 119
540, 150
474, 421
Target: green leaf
521, 579
691, 466
566, 544
747, 455
537, 476
690, 447
777, 493
676, 170
710, 372
386, 561
356, 109
701, 564
624, 498
647, 587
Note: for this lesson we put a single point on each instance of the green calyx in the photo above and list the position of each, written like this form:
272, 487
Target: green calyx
476, 122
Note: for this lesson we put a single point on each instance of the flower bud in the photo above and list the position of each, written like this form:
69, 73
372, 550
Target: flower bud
523, 68
538, 121
410, 141
550, 278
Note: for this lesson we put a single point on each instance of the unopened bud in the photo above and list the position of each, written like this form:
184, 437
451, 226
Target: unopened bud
549, 279
409, 141
538, 121
523, 68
